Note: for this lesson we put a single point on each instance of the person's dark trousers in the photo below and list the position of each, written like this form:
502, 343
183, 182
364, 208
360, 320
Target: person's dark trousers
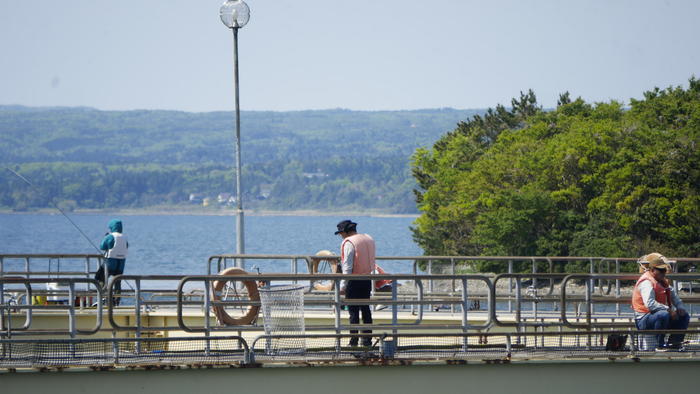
679, 323
359, 289
661, 320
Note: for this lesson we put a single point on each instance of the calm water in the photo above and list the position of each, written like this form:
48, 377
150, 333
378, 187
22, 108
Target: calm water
181, 244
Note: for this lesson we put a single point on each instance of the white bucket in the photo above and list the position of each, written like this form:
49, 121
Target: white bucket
54, 287
646, 342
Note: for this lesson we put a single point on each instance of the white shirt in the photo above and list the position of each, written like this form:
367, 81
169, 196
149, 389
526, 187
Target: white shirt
348, 262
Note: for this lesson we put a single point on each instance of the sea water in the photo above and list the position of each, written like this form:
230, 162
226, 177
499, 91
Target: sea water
182, 244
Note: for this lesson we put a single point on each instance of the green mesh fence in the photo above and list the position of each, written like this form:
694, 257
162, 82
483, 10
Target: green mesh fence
481, 347
444, 347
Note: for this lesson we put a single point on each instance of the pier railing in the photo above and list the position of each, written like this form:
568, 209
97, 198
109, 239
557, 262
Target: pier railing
50, 265
76, 295
480, 303
442, 300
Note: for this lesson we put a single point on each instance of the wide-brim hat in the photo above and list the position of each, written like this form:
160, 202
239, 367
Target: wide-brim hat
325, 253
658, 261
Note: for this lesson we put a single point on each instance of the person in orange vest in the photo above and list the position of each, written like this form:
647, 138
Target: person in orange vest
657, 306
382, 285
357, 256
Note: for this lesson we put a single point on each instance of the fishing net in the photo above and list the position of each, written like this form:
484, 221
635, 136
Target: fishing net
283, 313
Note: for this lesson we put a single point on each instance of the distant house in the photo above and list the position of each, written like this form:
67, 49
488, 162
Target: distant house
317, 174
265, 190
225, 198
196, 198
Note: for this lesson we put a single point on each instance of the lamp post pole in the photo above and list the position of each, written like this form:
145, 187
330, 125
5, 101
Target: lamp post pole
240, 244
235, 14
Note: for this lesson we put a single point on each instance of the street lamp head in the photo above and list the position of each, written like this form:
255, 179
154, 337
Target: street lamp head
234, 13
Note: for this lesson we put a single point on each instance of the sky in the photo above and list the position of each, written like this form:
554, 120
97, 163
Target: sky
359, 55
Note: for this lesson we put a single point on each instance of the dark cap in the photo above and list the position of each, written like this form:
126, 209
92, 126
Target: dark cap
345, 226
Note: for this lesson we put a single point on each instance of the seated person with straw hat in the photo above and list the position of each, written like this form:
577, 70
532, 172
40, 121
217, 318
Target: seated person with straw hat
657, 306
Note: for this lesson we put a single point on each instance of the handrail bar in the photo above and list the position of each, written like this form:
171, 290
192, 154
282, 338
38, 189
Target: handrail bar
518, 320
590, 300
70, 282
336, 278
137, 310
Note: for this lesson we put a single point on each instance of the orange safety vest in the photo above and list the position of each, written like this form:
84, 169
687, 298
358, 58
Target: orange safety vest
661, 293
378, 284
364, 253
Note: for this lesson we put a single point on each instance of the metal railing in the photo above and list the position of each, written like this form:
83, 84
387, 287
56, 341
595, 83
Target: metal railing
335, 302
525, 306
479, 302
46, 265
590, 299
66, 291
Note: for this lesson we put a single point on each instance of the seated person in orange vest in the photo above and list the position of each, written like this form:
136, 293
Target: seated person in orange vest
382, 285
357, 255
656, 304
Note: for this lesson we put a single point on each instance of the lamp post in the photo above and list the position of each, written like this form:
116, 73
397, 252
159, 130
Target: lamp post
235, 14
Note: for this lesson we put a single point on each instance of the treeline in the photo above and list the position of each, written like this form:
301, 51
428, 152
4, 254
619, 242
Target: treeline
380, 184
81, 158
581, 180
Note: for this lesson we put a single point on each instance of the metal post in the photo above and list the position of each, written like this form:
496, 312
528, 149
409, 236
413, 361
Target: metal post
518, 301
394, 311
534, 289
510, 286
336, 306
617, 288
589, 310
207, 308
71, 309
137, 309
430, 282
240, 247
2, 304
465, 318
71, 315
452, 267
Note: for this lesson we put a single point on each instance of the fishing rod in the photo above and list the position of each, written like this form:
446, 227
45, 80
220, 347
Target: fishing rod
57, 207
99, 251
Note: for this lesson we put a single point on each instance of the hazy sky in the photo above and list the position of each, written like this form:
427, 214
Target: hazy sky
361, 54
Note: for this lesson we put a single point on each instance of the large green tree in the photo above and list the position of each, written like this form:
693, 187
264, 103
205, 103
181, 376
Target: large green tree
583, 179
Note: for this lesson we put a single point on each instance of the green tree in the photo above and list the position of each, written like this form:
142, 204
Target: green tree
583, 179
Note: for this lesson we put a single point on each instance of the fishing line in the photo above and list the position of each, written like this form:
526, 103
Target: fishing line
56, 206
101, 252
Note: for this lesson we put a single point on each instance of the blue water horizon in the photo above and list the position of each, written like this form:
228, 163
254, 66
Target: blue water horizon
181, 244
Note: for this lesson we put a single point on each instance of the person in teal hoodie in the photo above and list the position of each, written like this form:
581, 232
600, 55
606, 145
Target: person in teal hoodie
116, 248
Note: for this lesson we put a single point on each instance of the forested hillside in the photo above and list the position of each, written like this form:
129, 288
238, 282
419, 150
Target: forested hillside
330, 159
581, 180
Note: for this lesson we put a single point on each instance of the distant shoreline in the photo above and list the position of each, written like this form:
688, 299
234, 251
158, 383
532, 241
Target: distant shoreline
206, 212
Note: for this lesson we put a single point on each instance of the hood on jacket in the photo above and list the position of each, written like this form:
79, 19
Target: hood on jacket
115, 226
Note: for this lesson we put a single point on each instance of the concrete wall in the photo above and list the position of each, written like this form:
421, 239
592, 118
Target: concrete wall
555, 378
